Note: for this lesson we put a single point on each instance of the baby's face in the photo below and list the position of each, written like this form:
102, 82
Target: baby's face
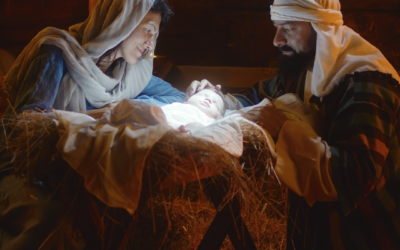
209, 102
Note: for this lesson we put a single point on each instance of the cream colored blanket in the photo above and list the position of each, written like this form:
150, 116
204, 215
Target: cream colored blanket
110, 152
109, 148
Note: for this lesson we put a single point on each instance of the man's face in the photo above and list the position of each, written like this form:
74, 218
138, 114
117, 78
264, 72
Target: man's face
209, 102
294, 37
297, 42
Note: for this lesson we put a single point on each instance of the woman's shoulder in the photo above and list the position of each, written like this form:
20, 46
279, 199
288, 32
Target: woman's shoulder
50, 51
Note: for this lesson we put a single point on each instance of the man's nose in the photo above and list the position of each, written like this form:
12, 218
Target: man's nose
279, 38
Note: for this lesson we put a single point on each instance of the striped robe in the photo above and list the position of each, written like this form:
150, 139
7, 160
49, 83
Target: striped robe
362, 126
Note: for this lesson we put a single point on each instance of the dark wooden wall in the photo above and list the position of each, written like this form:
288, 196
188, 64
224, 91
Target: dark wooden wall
240, 32
206, 32
21, 20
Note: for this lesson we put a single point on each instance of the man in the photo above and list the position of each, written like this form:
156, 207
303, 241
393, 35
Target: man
344, 182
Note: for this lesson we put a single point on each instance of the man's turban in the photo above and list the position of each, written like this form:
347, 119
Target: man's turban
340, 50
307, 11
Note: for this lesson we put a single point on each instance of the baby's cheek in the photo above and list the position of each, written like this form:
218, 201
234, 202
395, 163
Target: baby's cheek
216, 114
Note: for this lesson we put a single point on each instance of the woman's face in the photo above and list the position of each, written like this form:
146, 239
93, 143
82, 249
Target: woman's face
142, 37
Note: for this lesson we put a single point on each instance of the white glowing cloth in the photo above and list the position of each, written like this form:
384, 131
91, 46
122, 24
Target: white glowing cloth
340, 50
302, 157
110, 152
178, 114
224, 132
293, 108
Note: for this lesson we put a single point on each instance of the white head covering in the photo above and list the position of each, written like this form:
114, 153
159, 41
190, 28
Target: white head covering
111, 22
339, 51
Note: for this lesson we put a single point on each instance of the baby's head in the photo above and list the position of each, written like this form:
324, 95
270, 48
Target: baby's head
210, 101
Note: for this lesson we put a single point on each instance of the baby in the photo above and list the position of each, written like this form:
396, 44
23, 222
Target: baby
201, 109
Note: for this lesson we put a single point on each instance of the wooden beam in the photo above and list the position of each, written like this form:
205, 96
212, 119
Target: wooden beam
220, 5
21, 20
233, 33
264, 5
227, 77
373, 5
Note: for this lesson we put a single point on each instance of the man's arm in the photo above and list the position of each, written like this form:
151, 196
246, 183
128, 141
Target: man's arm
364, 138
363, 143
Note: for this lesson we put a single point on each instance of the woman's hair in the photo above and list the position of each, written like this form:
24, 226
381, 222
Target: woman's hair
159, 6
108, 56
162, 7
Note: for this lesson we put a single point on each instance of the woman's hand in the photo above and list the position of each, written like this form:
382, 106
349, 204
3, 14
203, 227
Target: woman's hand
199, 86
268, 117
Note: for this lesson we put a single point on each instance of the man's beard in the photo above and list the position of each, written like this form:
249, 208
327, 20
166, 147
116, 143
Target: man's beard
292, 66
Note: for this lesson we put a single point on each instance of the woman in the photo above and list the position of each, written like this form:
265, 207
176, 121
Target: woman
103, 60
100, 61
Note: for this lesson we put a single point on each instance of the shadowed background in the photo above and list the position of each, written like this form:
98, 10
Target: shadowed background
223, 33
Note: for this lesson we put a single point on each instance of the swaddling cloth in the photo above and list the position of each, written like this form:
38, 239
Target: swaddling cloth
110, 152
178, 114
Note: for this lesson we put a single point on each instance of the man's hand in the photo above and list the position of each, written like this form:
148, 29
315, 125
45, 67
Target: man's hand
268, 117
199, 86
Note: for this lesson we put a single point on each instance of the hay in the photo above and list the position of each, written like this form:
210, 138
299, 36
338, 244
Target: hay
28, 143
176, 218
191, 215
182, 216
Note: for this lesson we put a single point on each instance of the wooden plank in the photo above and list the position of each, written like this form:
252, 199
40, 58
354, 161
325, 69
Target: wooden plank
232, 33
264, 5
229, 38
230, 77
227, 221
370, 5
244, 38
220, 4
21, 20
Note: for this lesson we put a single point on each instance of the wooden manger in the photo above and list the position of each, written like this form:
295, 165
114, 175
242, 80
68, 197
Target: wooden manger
173, 216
